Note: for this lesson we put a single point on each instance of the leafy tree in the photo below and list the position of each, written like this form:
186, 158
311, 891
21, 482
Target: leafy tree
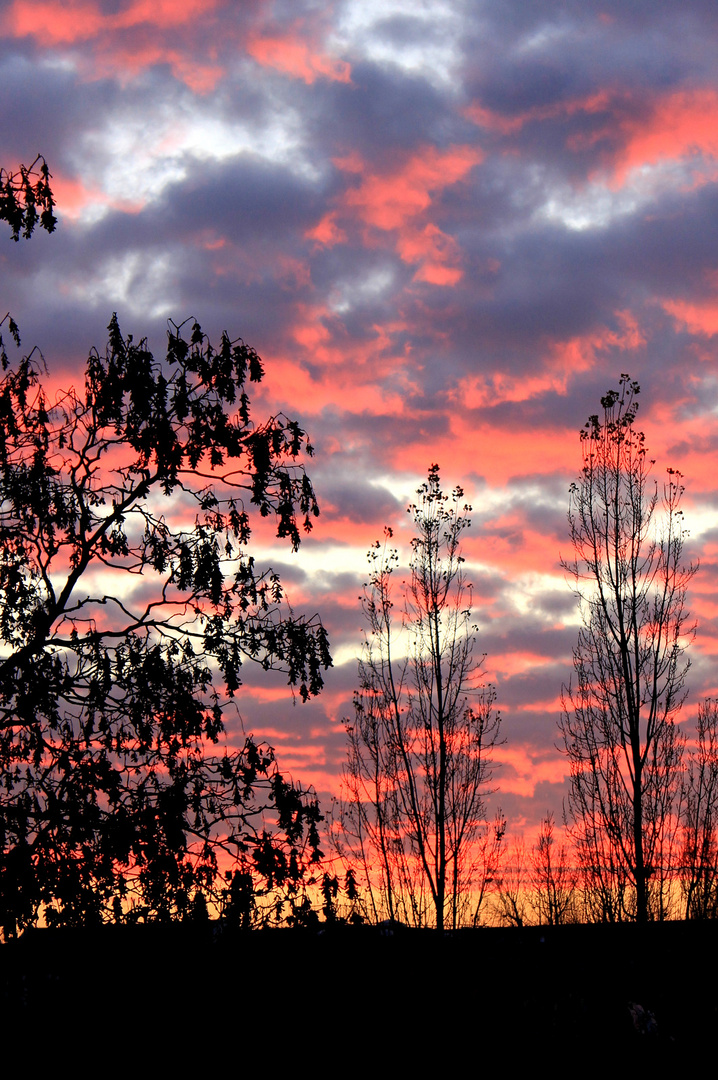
618, 724
412, 816
128, 606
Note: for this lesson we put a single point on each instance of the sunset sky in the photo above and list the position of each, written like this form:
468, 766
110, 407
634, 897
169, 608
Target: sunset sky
447, 227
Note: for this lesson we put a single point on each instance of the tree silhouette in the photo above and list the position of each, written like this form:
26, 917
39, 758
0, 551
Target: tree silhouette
128, 606
618, 724
553, 880
511, 897
699, 861
412, 817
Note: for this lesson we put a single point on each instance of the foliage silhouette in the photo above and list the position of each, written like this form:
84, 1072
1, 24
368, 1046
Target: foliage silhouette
411, 819
128, 605
22, 194
618, 724
27, 200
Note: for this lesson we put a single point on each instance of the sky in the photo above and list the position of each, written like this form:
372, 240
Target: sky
447, 227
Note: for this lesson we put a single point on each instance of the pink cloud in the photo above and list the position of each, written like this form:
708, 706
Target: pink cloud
327, 233
340, 371
295, 56
523, 769
399, 201
437, 254
125, 43
69, 21
388, 200
682, 126
700, 317
74, 196
507, 125
560, 361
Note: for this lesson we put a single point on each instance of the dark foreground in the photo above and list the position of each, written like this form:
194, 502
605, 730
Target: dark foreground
350, 1000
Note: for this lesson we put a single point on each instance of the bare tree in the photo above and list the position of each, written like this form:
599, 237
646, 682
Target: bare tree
511, 899
618, 723
412, 815
553, 879
699, 864
488, 854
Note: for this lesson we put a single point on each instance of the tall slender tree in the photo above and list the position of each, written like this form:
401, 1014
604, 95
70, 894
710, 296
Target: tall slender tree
419, 755
619, 713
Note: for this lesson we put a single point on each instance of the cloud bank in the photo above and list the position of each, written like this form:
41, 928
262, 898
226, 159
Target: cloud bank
447, 228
